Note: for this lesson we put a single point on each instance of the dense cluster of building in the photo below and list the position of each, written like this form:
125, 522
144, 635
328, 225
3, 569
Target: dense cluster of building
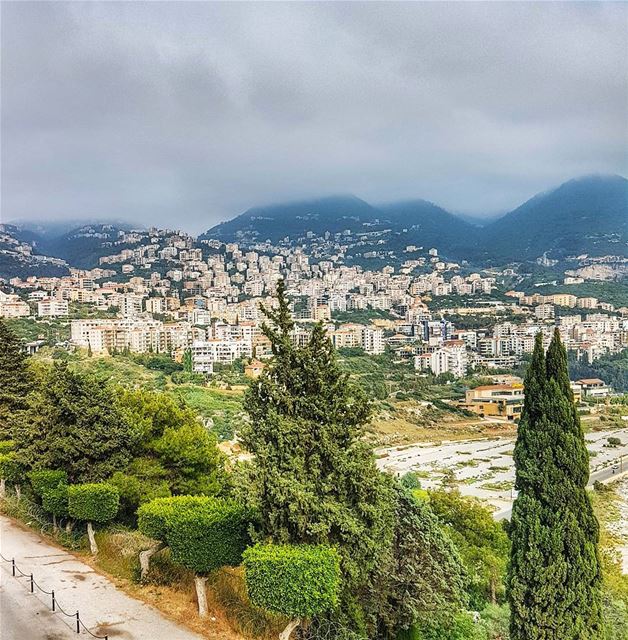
163, 291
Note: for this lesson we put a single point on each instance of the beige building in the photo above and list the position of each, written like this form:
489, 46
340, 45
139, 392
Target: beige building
495, 400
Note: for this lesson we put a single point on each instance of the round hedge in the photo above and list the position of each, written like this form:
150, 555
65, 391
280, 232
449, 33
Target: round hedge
97, 502
152, 516
10, 467
55, 500
208, 538
295, 580
46, 479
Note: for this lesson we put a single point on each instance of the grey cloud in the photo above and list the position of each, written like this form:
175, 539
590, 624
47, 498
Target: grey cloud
187, 113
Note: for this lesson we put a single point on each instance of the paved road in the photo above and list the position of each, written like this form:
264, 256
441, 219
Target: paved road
603, 475
104, 608
23, 617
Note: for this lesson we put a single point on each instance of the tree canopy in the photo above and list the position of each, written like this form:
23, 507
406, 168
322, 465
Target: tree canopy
314, 478
299, 581
483, 544
74, 423
421, 574
15, 381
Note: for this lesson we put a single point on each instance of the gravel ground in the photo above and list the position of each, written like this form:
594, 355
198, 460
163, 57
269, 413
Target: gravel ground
485, 468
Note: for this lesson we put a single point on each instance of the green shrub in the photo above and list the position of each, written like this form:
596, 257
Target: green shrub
295, 580
46, 479
54, 500
6, 446
410, 480
151, 517
207, 538
135, 491
94, 502
10, 467
458, 627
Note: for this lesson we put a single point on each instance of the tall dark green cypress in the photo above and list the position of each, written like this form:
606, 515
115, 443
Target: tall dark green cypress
554, 578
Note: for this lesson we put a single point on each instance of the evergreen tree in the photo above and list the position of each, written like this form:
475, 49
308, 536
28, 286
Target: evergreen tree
421, 575
15, 381
314, 479
554, 579
74, 423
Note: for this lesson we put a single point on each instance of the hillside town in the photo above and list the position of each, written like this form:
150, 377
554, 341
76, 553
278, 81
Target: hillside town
171, 293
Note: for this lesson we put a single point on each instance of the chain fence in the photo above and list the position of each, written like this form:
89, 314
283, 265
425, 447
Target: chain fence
76, 623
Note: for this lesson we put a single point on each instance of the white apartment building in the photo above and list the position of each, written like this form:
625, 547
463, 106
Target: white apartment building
544, 311
450, 358
373, 340
52, 308
137, 335
130, 305
206, 352
155, 305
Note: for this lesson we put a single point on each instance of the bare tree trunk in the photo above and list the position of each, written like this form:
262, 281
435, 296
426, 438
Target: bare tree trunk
18, 492
201, 595
92, 539
290, 627
69, 525
3, 488
145, 557
54, 523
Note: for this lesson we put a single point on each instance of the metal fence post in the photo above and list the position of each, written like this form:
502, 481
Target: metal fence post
13, 566
32, 584
78, 623
53, 600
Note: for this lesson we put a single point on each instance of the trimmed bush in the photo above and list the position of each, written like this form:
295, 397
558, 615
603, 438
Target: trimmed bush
152, 516
96, 502
6, 446
46, 479
55, 500
207, 538
299, 581
10, 467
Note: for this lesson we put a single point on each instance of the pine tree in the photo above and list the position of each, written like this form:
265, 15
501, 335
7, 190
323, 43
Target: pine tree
315, 480
554, 578
15, 381
74, 423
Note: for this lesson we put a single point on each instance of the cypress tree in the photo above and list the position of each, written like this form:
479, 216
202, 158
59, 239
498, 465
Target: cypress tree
15, 381
554, 577
314, 478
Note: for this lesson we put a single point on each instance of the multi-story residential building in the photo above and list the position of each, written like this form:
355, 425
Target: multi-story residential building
593, 388
52, 308
373, 340
544, 311
12, 306
224, 351
450, 358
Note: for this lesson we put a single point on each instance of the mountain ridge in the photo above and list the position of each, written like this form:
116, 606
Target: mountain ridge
588, 214
582, 215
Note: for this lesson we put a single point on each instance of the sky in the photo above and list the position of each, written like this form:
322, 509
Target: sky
183, 114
